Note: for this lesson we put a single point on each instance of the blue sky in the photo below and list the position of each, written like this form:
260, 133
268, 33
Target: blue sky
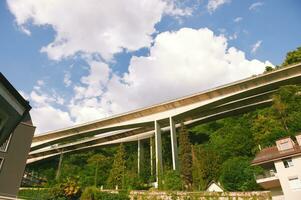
77, 61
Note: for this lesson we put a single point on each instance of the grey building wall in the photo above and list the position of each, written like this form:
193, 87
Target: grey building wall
14, 159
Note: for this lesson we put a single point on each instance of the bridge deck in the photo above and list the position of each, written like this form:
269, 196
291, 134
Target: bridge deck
227, 100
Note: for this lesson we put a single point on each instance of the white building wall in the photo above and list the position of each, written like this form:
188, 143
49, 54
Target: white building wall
277, 194
214, 188
284, 174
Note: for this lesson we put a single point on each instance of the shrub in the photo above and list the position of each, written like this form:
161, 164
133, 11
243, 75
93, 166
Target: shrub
33, 194
238, 175
92, 193
89, 193
172, 180
71, 189
68, 190
111, 196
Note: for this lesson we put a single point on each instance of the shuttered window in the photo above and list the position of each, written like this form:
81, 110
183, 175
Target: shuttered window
5, 145
295, 183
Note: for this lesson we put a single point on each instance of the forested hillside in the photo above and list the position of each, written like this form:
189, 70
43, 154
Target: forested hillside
219, 150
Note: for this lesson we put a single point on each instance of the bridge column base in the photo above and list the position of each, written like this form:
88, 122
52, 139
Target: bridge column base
158, 147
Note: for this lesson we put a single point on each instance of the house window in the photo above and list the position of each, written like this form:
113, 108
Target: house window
1, 162
288, 163
295, 183
4, 146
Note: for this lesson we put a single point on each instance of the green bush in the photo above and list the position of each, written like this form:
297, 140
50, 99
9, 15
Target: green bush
56, 193
89, 193
71, 189
92, 193
110, 196
34, 194
172, 180
237, 174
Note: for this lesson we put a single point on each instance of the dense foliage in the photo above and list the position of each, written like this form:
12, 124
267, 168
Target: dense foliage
172, 180
237, 174
117, 173
292, 57
185, 157
220, 150
90, 193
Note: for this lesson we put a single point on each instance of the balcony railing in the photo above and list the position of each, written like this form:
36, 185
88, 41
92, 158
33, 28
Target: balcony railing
267, 174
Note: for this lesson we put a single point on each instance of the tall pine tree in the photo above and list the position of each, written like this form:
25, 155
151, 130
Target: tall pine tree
116, 177
185, 157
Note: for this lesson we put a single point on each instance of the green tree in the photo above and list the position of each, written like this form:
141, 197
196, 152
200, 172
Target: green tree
205, 166
286, 105
268, 69
292, 57
233, 139
237, 174
96, 161
116, 176
74, 166
185, 157
266, 129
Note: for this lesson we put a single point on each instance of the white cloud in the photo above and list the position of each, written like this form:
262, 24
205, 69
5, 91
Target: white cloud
47, 118
237, 19
179, 63
214, 4
87, 109
97, 26
86, 104
95, 82
45, 113
67, 78
256, 46
40, 82
255, 6
234, 36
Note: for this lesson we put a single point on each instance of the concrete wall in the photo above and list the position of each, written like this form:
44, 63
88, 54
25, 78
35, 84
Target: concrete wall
15, 157
157, 195
277, 193
284, 174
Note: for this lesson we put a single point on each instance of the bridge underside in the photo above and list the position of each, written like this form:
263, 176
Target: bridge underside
229, 100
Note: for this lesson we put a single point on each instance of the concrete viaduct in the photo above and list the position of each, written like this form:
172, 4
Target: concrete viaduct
217, 103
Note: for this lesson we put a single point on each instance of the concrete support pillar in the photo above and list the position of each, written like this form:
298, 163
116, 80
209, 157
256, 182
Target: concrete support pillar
58, 172
174, 145
158, 144
139, 156
151, 155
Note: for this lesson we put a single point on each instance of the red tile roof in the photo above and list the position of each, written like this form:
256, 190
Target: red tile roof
272, 154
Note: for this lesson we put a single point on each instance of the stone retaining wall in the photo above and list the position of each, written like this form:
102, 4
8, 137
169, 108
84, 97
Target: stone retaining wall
158, 195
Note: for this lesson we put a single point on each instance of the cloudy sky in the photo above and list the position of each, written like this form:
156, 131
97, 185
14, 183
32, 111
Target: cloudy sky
81, 60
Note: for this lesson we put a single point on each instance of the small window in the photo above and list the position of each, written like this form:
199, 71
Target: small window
1, 162
288, 163
4, 146
295, 183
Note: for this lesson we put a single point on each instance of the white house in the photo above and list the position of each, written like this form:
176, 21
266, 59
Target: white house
214, 187
282, 169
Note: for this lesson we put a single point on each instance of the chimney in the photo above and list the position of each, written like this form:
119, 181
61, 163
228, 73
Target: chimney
285, 144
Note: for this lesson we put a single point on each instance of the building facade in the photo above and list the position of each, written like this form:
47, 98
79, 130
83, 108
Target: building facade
16, 133
282, 169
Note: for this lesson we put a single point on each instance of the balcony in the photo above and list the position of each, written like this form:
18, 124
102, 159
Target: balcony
268, 179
